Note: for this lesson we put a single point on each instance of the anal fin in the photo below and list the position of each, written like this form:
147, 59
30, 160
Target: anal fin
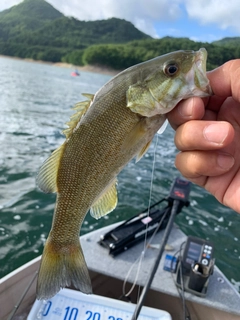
106, 203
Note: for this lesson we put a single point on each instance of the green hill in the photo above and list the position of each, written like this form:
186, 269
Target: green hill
72, 33
28, 15
35, 29
229, 41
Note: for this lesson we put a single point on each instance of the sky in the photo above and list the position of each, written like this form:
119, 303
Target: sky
199, 20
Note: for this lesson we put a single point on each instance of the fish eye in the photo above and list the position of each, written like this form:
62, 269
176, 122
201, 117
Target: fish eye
171, 69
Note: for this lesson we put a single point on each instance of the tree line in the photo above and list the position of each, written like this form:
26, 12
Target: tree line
36, 30
120, 56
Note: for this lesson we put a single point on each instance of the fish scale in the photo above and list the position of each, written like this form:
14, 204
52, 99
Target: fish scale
107, 131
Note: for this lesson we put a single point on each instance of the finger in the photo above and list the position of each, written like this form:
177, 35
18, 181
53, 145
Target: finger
189, 109
210, 115
224, 80
198, 165
204, 135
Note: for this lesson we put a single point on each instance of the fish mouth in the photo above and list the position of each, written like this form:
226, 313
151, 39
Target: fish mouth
202, 85
197, 76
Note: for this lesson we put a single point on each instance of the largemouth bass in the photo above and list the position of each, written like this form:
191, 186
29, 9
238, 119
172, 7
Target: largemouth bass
108, 130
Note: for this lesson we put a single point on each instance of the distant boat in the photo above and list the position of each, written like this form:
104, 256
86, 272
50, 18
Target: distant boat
75, 73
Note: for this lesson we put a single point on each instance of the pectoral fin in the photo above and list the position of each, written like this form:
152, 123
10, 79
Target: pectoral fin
143, 151
106, 203
163, 127
135, 135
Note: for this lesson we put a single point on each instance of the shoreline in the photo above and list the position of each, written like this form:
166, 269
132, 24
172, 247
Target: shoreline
87, 68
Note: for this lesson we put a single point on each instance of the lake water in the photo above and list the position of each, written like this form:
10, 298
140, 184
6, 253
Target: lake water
35, 103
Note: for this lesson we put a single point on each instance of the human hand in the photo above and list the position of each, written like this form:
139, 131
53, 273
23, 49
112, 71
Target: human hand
208, 136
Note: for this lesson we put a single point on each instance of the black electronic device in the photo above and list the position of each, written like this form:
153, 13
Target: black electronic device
134, 229
196, 265
146, 222
180, 191
196, 251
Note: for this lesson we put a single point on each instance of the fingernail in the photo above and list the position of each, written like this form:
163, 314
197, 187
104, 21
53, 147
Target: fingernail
225, 161
216, 133
185, 109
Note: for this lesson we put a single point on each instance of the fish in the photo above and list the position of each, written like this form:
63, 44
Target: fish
108, 129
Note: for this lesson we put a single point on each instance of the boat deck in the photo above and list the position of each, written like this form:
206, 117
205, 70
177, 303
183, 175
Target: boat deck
221, 295
108, 274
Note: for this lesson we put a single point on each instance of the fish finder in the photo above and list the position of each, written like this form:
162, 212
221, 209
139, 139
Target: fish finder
195, 266
180, 190
196, 251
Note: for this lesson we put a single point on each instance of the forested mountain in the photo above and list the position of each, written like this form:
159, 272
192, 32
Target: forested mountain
35, 29
28, 16
234, 41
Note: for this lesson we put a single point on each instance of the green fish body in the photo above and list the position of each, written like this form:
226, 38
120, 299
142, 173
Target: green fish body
107, 131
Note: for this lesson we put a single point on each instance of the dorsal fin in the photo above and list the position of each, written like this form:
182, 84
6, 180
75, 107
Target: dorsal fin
47, 176
81, 108
106, 203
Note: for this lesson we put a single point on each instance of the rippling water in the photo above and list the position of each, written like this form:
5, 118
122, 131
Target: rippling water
35, 102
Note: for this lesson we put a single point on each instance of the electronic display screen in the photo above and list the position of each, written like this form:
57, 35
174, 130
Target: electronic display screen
194, 252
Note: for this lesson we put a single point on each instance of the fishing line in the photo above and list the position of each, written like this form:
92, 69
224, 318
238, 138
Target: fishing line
151, 186
140, 258
145, 244
139, 261
174, 210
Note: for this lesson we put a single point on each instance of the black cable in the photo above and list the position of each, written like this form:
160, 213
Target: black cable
174, 211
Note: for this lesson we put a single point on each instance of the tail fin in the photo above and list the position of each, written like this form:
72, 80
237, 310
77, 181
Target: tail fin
61, 268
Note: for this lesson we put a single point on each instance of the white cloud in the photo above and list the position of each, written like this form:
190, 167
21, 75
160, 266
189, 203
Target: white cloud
142, 13
224, 13
147, 14
5, 4
209, 37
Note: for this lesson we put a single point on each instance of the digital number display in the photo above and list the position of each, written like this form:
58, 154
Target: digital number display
194, 252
